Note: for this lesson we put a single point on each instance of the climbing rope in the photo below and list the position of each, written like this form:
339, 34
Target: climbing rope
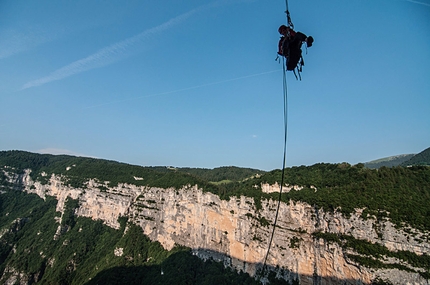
289, 21
283, 164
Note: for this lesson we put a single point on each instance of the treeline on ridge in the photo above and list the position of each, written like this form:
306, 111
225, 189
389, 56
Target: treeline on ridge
401, 194
422, 158
78, 170
224, 174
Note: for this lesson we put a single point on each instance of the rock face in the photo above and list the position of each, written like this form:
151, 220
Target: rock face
236, 233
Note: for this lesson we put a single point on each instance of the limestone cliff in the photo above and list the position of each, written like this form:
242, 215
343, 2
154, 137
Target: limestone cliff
236, 233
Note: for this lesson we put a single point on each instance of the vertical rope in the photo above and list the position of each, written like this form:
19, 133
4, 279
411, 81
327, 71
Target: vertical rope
289, 21
283, 164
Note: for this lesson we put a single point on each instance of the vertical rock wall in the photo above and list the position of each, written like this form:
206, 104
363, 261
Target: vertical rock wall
236, 233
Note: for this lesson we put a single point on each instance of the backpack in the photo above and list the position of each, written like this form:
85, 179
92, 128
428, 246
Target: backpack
292, 51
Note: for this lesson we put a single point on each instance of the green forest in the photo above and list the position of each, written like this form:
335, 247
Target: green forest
422, 158
225, 174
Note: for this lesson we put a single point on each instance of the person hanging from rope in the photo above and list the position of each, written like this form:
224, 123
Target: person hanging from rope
290, 46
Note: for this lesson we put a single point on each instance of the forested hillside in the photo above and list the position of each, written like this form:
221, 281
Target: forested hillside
400, 193
389, 161
78, 170
422, 158
225, 174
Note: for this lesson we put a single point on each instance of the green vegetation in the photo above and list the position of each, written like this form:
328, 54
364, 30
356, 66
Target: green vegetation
222, 182
225, 174
78, 170
370, 254
294, 242
422, 158
262, 220
389, 161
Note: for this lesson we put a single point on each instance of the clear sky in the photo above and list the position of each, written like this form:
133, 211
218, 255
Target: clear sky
194, 83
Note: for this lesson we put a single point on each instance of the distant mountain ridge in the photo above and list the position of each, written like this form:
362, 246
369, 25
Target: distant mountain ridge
218, 174
422, 158
390, 161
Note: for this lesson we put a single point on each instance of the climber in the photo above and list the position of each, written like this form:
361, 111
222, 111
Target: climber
290, 45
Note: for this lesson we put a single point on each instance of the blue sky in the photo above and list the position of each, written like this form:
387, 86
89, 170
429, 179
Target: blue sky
195, 83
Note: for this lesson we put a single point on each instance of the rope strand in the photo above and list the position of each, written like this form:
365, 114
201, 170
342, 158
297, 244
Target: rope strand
289, 21
283, 164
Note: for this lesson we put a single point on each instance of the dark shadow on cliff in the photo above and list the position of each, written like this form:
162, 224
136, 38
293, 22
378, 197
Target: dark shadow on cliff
185, 268
180, 268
